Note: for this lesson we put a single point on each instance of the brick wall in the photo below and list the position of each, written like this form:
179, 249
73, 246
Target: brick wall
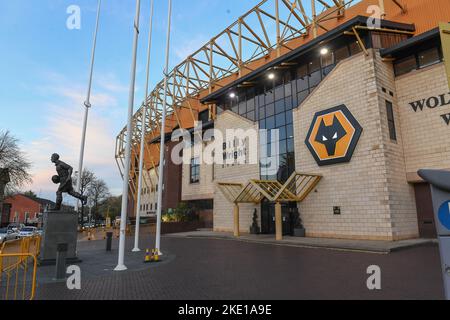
425, 134
366, 189
223, 209
20, 205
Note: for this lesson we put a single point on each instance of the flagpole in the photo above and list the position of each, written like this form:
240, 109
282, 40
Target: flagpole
144, 115
126, 177
163, 136
87, 103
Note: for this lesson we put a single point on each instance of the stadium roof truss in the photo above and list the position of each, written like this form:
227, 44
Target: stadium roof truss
266, 29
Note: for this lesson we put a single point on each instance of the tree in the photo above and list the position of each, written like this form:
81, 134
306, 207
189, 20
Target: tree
111, 206
30, 194
97, 193
87, 179
13, 159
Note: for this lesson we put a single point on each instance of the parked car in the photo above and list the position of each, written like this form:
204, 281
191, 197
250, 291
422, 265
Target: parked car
7, 235
27, 232
15, 227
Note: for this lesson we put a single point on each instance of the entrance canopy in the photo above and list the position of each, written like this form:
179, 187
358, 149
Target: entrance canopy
296, 189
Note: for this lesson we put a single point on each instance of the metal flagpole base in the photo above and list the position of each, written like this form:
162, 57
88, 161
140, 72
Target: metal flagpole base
136, 250
121, 268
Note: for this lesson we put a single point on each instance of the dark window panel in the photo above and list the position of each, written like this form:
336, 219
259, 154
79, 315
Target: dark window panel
279, 106
429, 57
262, 124
280, 120
288, 103
327, 59
270, 110
270, 123
314, 65
315, 78
262, 113
269, 96
250, 105
288, 89
405, 65
302, 96
251, 116
341, 54
290, 131
279, 93
391, 121
242, 108
289, 117
290, 145
354, 48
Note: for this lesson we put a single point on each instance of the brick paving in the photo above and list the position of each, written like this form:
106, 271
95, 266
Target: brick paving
203, 269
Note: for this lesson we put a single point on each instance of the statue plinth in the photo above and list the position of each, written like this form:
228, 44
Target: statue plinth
60, 227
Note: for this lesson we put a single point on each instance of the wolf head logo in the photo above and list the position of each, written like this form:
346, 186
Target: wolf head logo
329, 136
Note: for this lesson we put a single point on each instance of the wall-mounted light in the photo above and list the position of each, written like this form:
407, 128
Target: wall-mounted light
271, 76
324, 51
232, 95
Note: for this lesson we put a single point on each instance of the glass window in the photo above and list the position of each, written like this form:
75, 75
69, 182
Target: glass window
315, 78
262, 113
302, 96
302, 83
290, 145
327, 59
405, 65
242, 108
262, 124
355, 48
270, 110
429, 57
250, 105
290, 131
314, 65
302, 71
391, 121
341, 54
288, 89
279, 93
288, 103
195, 170
270, 123
261, 100
327, 70
280, 120
251, 116
279, 106
289, 117
269, 96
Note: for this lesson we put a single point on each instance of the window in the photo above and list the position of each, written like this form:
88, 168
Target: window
341, 54
405, 65
195, 170
391, 121
429, 57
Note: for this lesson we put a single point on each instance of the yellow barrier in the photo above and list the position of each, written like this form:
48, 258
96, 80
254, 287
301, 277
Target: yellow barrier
18, 267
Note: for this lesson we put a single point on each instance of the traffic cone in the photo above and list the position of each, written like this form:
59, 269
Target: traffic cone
148, 257
155, 255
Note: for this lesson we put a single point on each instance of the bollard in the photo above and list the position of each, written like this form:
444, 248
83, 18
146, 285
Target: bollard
61, 255
109, 236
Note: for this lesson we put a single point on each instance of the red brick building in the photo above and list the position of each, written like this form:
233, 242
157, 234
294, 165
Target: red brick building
23, 209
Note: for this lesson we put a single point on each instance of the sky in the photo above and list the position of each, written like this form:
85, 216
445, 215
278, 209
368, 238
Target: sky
44, 73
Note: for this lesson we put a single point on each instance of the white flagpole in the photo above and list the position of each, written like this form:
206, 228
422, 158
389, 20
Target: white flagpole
144, 115
87, 103
163, 136
126, 177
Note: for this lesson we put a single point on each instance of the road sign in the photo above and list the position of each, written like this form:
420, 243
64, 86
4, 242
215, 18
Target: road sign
444, 214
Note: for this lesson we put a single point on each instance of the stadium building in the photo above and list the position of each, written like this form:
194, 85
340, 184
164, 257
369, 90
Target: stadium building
360, 105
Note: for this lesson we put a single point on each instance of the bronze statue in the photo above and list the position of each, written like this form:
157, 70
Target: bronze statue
64, 178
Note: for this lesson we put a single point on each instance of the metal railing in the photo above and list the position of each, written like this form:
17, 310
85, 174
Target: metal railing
18, 268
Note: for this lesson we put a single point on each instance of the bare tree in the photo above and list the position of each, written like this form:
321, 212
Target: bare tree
87, 178
98, 192
14, 160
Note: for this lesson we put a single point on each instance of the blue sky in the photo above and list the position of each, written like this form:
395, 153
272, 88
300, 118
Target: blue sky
44, 69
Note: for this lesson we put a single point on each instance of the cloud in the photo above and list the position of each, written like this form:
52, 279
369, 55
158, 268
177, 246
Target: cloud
185, 48
61, 132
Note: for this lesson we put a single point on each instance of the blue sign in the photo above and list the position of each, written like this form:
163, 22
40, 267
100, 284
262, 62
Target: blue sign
444, 215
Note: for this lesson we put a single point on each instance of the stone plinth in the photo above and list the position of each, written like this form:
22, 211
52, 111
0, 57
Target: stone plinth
60, 227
